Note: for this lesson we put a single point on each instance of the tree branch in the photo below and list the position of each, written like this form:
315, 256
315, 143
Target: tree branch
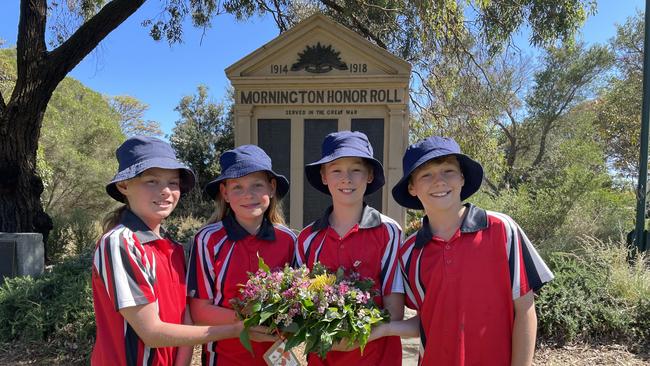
65, 57
492, 186
548, 125
357, 23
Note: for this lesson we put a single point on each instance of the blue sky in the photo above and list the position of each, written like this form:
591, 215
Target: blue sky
129, 62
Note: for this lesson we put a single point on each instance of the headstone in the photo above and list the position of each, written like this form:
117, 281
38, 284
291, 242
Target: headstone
21, 254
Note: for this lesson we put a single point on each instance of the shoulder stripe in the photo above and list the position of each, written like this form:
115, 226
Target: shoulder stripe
306, 245
418, 280
286, 230
125, 268
524, 262
206, 254
390, 256
389, 220
221, 280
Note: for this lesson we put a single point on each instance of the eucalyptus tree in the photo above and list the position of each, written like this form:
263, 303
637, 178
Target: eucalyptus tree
132, 121
619, 107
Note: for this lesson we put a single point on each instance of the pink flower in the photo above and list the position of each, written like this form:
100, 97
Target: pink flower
343, 289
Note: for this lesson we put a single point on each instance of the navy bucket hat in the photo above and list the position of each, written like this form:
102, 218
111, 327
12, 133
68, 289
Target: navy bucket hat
140, 153
244, 160
345, 144
432, 148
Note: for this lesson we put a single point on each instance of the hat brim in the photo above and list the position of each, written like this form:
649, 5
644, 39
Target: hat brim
188, 179
212, 188
472, 173
312, 172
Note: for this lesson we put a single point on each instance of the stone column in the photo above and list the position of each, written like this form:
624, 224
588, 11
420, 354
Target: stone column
297, 171
397, 142
243, 124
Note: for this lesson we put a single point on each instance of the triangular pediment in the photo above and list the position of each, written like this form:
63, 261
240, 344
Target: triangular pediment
319, 48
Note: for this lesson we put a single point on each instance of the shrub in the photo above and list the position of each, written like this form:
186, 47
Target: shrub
605, 214
597, 295
54, 309
72, 236
182, 229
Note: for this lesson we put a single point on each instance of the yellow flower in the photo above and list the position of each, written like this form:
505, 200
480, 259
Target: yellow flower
320, 281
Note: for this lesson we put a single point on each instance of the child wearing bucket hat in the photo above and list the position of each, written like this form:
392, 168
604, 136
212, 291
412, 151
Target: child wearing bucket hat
353, 235
470, 273
138, 274
247, 223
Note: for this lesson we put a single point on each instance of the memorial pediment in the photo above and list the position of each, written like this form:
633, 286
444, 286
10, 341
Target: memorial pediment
320, 48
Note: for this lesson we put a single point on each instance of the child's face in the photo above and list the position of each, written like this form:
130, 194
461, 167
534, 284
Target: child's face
346, 179
153, 194
437, 184
249, 196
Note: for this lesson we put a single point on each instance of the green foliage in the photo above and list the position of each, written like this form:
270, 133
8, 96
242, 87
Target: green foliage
574, 304
548, 20
204, 131
54, 309
132, 120
72, 236
619, 105
604, 213
79, 136
566, 72
568, 75
597, 295
182, 229
7, 70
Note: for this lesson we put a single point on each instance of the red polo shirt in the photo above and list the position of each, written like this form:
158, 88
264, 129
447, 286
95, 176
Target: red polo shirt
463, 289
222, 256
132, 266
373, 246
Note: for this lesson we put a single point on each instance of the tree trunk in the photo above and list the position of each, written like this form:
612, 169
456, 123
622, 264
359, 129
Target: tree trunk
20, 186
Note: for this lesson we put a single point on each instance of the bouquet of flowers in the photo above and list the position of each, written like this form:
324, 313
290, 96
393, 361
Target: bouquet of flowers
316, 307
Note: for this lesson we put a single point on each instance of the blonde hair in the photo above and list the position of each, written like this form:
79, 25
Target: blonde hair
113, 218
273, 213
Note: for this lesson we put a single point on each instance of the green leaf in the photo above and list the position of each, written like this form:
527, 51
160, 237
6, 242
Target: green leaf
295, 339
252, 321
265, 315
263, 266
291, 328
245, 340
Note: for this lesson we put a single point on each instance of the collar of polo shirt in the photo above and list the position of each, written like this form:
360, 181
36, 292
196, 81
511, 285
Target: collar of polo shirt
475, 220
369, 218
141, 231
236, 232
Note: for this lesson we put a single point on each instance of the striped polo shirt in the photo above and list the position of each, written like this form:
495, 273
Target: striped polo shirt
132, 266
463, 289
372, 248
222, 256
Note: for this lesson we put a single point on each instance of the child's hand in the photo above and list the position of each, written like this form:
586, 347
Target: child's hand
262, 334
378, 331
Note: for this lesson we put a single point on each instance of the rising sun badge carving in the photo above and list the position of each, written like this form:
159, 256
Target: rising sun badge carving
319, 59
